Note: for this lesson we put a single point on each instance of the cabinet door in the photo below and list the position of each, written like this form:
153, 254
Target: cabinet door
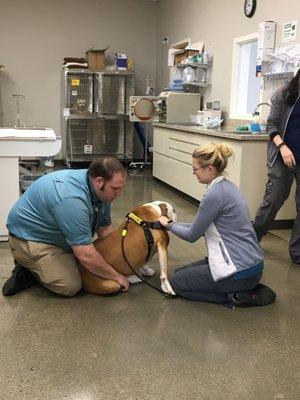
110, 94
79, 92
88, 139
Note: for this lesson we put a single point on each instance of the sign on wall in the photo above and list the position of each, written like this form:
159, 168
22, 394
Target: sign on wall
289, 31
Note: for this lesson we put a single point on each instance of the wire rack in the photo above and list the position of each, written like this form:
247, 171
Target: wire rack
283, 63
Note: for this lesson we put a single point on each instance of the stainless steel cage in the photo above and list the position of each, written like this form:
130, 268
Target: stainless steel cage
78, 92
88, 139
112, 90
98, 125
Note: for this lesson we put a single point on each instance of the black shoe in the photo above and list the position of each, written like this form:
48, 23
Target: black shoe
261, 295
20, 279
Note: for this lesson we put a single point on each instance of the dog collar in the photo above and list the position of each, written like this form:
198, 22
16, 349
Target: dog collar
135, 218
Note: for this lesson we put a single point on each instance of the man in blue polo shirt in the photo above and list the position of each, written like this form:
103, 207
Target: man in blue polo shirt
52, 225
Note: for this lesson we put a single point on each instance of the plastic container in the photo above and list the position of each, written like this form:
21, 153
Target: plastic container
28, 179
255, 127
206, 58
188, 75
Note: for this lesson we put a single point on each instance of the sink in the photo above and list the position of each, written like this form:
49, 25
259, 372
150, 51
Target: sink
27, 132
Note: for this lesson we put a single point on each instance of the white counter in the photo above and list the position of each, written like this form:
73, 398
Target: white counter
174, 144
14, 143
220, 132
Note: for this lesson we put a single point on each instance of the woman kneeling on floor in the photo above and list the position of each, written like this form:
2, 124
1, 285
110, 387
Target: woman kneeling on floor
234, 266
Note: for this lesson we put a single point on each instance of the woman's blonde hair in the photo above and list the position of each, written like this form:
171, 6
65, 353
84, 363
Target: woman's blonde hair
215, 154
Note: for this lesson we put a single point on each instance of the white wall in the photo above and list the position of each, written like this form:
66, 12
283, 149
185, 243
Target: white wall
217, 23
35, 36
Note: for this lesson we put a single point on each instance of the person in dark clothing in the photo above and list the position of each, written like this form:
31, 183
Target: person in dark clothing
283, 126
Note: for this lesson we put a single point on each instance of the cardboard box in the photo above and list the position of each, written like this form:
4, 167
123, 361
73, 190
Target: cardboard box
178, 58
177, 55
96, 58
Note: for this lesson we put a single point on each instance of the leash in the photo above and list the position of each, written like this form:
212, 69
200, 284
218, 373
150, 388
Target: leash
147, 225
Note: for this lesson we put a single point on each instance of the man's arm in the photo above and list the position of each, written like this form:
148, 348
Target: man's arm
95, 263
104, 231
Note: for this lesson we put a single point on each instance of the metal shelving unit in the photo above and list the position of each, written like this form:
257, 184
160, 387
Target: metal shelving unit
202, 71
199, 84
269, 76
95, 108
194, 65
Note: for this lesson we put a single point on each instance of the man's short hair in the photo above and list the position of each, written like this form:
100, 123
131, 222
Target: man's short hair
106, 167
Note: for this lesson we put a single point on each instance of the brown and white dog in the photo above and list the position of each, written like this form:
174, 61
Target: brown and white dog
136, 250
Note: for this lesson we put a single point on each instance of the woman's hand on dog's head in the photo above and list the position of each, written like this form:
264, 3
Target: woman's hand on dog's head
163, 221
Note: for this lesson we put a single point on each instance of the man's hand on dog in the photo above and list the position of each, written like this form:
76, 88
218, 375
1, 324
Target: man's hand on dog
123, 281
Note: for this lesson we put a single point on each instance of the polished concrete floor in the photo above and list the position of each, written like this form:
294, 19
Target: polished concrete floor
141, 345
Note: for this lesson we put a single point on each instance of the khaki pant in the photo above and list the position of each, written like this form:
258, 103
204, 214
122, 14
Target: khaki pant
55, 268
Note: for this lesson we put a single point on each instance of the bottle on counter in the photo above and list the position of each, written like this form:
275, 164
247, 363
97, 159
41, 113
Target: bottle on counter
255, 126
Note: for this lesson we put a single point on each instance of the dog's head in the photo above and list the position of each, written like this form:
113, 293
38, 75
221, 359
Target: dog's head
81, 104
163, 208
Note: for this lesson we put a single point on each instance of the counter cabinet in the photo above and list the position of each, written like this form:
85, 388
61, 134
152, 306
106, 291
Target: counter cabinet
172, 164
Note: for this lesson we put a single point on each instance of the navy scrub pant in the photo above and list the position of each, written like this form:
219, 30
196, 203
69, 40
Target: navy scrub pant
195, 282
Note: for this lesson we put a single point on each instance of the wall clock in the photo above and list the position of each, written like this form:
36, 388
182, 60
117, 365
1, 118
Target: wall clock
249, 8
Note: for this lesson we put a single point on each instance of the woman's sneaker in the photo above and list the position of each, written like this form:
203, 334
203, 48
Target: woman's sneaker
261, 295
21, 278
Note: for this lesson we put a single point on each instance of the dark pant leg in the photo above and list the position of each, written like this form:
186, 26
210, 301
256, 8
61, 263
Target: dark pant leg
295, 237
194, 282
278, 187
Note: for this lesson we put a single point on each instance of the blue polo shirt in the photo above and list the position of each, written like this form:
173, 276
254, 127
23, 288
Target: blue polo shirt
59, 208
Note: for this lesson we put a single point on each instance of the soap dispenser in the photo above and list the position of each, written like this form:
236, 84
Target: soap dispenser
255, 126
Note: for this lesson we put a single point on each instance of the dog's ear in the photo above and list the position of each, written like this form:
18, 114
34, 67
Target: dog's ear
164, 210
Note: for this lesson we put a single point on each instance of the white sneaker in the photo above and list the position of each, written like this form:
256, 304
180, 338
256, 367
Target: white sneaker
147, 271
134, 279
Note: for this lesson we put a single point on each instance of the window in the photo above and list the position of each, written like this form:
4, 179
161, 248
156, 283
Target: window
245, 86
